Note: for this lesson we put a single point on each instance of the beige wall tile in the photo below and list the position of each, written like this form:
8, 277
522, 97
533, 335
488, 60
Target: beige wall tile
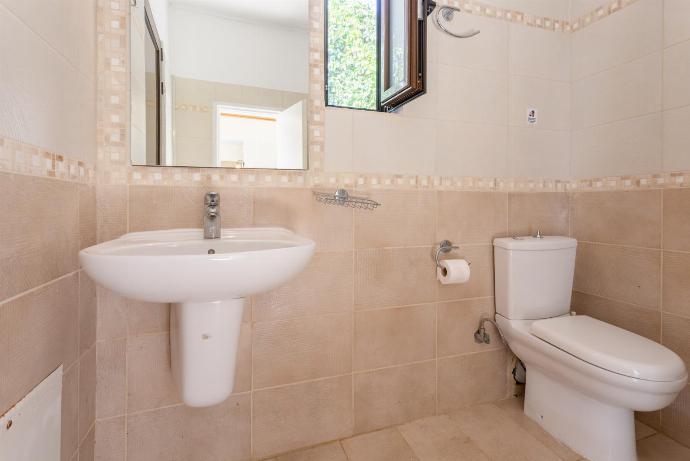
328, 452
87, 446
676, 139
87, 216
179, 432
551, 98
631, 146
539, 53
643, 321
676, 283
38, 332
87, 312
283, 418
471, 217
395, 336
111, 215
87, 391
488, 52
675, 336
548, 212
111, 322
535, 153
677, 219
146, 318
243, 364
481, 283
39, 83
481, 98
471, 379
111, 380
642, 431
385, 445
401, 139
111, 443
394, 395
623, 273
487, 424
149, 377
70, 413
394, 277
483, 151
329, 226
661, 447
439, 438
40, 232
288, 351
676, 21
625, 91
626, 218
457, 322
167, 207
405, 218
339, 140
676, 75
675, 419
650, 418
633, 32
324, 287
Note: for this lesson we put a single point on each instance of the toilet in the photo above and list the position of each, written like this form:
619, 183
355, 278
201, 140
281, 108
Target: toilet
585, 377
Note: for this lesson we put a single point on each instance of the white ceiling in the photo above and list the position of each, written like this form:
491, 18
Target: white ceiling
287, 13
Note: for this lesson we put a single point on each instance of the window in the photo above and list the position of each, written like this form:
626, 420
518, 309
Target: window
375, 52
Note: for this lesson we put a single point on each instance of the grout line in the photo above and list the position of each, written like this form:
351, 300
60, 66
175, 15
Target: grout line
38, 287
620, 245
619, 301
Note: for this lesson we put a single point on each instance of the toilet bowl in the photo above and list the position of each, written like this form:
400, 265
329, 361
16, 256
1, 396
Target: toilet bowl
585, 377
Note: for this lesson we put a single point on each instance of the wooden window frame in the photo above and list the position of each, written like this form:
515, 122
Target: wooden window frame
417, 56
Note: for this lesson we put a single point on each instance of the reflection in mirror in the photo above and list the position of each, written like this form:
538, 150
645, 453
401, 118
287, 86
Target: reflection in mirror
235, 77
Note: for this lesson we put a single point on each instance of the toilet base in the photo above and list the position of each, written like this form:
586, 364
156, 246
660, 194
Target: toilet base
597, 431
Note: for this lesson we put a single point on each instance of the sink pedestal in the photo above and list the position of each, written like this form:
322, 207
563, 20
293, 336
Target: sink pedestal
204, 338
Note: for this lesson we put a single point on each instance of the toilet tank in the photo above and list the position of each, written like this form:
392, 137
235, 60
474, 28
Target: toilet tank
533, 276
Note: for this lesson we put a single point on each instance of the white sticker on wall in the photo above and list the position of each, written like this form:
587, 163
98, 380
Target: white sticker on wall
532, 116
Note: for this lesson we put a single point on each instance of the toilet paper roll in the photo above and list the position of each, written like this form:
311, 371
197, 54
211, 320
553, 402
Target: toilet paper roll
453, 271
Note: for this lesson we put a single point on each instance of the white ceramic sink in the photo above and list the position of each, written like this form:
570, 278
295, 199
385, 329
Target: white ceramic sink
174, 266
206, 282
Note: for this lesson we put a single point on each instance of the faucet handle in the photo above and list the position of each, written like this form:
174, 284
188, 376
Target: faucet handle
212, 199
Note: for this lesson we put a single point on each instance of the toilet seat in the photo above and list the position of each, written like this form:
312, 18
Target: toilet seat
610, 348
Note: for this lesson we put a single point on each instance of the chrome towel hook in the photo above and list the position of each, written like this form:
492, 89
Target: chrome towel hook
448, 13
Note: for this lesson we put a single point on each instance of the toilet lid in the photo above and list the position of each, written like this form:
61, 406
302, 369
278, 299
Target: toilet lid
611, 348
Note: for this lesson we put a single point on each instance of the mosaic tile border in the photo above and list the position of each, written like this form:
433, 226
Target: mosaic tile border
21, 158
113, 118
599, 13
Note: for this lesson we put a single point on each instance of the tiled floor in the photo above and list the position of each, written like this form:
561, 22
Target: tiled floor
496, 432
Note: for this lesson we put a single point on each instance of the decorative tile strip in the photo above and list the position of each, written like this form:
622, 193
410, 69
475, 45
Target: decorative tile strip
504, 14
21, 158
599, 13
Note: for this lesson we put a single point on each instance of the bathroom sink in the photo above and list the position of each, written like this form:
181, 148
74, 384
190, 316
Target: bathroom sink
177, 266
206, 281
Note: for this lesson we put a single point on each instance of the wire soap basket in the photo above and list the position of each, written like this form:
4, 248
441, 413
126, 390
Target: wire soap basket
342, 197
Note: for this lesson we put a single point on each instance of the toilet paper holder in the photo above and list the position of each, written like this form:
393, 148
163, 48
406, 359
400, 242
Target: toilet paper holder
445, 246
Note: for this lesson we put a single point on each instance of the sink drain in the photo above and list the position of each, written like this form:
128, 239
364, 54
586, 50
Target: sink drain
211, 251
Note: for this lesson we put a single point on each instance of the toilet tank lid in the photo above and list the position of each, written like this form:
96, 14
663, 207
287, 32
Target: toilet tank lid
611, 348
551, 242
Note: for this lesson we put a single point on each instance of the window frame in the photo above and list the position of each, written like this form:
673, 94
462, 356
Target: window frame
417, 56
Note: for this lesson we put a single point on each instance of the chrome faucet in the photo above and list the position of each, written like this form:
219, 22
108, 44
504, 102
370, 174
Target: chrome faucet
212, 215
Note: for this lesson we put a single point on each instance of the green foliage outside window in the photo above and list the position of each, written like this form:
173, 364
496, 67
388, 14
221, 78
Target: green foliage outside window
352, 53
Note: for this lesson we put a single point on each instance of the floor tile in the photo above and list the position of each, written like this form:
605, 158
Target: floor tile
385, 445
328, 452
514, 409
660, 448
439, 438
642, 431
499, 436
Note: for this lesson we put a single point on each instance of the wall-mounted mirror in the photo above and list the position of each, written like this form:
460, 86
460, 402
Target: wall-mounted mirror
220, 83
